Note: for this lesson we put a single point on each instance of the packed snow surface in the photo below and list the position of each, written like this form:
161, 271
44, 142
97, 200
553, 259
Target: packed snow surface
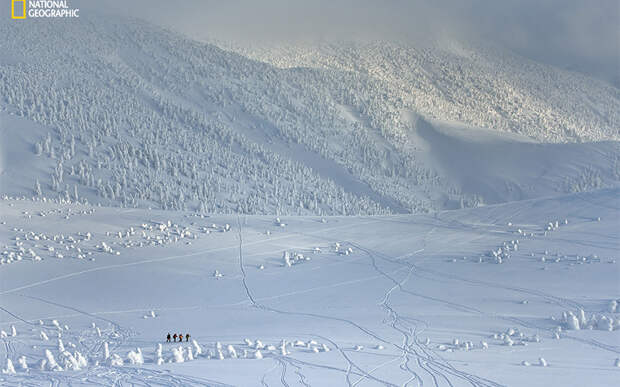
523, 293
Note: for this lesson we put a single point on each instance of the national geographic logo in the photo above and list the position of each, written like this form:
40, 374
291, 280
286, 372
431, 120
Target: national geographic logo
48, 9
18, 9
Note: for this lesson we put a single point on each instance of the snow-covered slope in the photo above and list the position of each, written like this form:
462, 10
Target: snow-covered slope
496, 167
125, 113
362, 301
475, 84
20, 167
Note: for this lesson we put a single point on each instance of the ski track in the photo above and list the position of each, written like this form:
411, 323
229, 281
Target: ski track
283, 373
262, 381
97, 375
406, 348
270, 309
427, 360
438, 369
560, 301
302, 377
164, 259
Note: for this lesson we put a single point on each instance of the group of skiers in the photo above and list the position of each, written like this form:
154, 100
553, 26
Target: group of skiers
175, 336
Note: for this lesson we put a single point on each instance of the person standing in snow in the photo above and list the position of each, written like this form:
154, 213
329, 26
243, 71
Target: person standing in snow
175, 337
168, 337
180, 337
187, 337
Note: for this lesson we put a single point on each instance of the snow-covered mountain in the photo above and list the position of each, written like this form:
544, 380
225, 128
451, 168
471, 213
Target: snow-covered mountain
474, 84
154, 184
125, 113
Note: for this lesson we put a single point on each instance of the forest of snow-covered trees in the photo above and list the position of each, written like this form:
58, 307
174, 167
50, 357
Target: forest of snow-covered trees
163, 121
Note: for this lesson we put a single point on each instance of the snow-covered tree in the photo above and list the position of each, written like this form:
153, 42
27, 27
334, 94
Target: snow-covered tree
23, 364
61, 346
135, 357
287, 259
178, 354
116, 360
231, 351
37, 188
197, 348
82, 361
70, 362
106, 351
9, 367
51, 363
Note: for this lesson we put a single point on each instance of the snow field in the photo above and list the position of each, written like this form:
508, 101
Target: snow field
370, 299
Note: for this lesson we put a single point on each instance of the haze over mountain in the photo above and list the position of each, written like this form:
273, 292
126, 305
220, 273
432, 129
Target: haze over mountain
568, 34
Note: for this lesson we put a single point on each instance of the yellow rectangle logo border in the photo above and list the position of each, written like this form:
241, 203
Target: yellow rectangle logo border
13, 9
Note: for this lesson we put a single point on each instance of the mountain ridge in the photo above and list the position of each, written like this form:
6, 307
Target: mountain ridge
160, 120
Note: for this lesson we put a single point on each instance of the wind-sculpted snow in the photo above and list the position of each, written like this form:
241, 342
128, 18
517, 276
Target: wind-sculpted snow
128, 114
523, 293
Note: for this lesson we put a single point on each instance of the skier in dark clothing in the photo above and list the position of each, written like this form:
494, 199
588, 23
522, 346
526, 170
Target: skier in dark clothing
180, 337
168, 337
175, 337
187, 337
